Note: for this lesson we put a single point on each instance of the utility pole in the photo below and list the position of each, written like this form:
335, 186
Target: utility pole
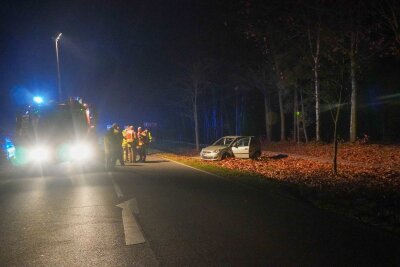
58, 68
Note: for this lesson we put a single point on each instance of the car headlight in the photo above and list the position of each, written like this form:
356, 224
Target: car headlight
217, 150
80, 151
39, 154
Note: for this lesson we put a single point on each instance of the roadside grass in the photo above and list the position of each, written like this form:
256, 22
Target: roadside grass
377, 207
241, 176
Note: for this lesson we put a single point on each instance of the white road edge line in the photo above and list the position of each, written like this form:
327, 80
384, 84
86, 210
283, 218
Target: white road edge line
209, 173
117, 189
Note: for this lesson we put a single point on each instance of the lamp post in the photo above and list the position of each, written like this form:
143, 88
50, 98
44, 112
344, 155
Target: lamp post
58, 68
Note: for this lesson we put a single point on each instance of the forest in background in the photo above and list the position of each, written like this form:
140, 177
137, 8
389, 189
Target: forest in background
289, 70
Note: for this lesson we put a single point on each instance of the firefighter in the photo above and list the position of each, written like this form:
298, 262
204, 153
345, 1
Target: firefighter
131, 146
125, 149
134, 145
118, 139
142, 143
113, 147
149, 139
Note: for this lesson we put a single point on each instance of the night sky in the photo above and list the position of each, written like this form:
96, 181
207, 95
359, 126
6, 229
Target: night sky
126, 56
116, 54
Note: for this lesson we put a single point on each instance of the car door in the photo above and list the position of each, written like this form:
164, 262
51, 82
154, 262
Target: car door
255, 147
240, 148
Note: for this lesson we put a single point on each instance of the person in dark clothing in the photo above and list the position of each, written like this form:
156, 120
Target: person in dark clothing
142, 144
149, 139
109, 149
118, 139
113, 147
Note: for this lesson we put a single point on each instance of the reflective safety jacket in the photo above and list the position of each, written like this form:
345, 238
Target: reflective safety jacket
130, 136
124, 143
142, 138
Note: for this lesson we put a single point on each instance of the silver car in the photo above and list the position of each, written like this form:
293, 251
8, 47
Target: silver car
232, 146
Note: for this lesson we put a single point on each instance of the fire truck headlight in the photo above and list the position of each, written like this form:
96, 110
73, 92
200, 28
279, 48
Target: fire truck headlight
39, 154
38, 99
81, 151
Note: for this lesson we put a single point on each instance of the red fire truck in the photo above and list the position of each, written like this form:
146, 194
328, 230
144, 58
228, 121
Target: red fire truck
52, 132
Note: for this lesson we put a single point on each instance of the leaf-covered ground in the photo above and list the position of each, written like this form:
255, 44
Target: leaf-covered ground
386, 156
314, 173
367, 186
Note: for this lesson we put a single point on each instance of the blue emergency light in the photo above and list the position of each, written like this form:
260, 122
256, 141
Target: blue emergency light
38, 99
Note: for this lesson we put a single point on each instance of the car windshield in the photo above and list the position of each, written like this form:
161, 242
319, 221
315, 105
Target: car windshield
225, 141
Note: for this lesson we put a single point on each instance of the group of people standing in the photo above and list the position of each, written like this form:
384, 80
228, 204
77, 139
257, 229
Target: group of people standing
125, 145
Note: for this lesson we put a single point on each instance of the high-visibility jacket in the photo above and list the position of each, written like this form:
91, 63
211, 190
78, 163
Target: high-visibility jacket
124, 143
130, 136
142, 137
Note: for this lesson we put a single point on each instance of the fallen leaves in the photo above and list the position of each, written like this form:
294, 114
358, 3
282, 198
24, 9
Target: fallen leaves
365, 154
317, 174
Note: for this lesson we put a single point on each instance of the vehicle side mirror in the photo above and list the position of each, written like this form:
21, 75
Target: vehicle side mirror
236, 145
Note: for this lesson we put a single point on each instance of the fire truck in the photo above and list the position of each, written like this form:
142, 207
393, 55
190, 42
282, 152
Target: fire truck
52, 132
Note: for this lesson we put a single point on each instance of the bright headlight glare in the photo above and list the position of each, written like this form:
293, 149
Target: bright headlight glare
80, 152
39, 154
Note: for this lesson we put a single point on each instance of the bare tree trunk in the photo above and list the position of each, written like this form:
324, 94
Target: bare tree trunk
296, 101
196, 122
317, 103
335, 146
315, 55
266, 108
303, 116
298, 130
282, 115
294, 116
280, 98
267, 118
353, 112
335, 151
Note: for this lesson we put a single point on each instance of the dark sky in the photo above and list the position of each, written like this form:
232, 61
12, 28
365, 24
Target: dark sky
116, 54
123, 56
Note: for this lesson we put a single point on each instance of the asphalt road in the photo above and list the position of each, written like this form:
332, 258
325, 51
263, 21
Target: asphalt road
178, 217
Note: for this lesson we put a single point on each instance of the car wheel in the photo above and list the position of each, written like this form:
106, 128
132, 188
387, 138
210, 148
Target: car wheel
256, 155
225, 156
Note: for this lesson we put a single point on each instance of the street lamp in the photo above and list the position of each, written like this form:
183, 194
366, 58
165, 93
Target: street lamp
58, 68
